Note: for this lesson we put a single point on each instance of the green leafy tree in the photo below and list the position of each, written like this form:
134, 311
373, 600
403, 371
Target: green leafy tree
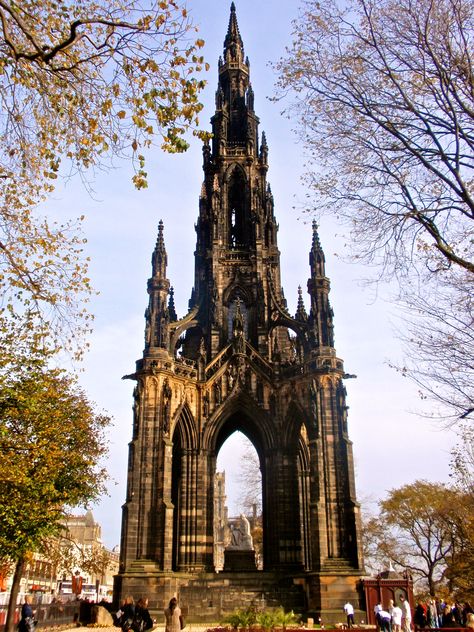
51, 443
415, 532
382, 92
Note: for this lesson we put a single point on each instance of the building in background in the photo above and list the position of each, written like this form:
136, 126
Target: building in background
221, 521
74, 565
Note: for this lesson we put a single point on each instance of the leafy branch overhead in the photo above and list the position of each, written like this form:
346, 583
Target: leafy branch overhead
89, 78
80, 83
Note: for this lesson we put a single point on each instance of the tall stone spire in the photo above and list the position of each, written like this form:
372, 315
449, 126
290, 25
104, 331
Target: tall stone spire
239, 361
233, 44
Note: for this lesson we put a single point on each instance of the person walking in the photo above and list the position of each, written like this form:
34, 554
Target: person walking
349, 610
173, 617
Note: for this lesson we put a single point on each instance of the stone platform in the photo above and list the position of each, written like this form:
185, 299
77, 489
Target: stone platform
210, 597
239, 560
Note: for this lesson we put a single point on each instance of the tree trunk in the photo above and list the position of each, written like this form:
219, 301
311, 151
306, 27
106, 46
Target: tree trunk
10, 622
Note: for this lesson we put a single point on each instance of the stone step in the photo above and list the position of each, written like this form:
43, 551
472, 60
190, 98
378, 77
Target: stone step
339, 564
143, 566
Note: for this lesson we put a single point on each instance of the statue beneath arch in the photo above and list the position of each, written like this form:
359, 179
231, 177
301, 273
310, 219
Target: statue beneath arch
239, 554
239, 361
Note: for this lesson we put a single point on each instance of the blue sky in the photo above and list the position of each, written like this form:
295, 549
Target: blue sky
392, 445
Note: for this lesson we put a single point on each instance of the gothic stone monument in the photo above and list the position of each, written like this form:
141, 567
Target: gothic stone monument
238, 360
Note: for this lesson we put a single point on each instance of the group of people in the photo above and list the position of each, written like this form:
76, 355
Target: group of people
396, 618
433, 614
136, 618
439, 614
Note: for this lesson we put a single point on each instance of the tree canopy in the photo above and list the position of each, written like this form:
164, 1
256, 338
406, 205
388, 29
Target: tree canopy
424, 528
383, 95
52, 443
80, 83
81, 79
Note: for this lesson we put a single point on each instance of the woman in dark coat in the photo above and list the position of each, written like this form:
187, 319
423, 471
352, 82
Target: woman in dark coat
128, 612
27, 621
142, 616
419, 617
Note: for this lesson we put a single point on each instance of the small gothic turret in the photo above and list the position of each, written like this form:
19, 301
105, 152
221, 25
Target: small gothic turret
316, 256
159, 258
171, 306
301, 310
264, 151
157, 314
321, 314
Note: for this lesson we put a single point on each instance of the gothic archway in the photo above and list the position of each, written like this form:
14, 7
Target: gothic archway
184, 483
238, 487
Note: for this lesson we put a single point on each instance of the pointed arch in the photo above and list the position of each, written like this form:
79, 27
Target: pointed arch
240, 412
296, 419
184, 482
185, 426
237, 208
296, 439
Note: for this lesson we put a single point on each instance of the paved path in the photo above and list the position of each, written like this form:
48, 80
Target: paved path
159, 627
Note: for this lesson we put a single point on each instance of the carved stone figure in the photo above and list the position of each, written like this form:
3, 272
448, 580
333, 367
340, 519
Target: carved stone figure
166, 399
240, 536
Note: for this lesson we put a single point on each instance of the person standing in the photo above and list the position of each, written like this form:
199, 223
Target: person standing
173, 618
127, 613
419, 618
349, 610
142, 620
406, 614
27, 621
432, 614
396, 619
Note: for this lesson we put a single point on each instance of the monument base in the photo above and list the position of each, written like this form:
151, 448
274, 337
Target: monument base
239, 560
